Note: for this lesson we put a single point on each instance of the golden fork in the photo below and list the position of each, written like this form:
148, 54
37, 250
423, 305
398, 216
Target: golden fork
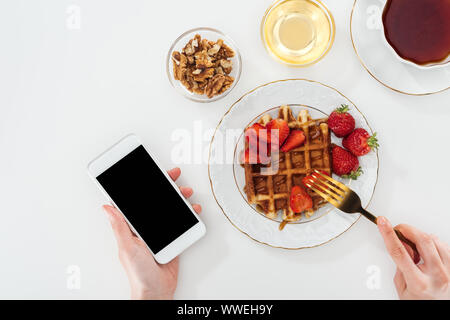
346, 200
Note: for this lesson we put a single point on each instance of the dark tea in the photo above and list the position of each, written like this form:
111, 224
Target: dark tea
418, 30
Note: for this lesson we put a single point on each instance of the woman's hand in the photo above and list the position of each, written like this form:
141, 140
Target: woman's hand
148, 279
427, 280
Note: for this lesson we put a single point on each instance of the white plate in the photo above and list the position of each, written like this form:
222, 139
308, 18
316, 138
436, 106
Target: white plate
227, 179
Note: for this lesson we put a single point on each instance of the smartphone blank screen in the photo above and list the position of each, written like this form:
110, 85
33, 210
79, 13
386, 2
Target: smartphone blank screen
148, 200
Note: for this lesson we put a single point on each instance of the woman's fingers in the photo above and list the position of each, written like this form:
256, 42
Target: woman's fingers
396, 249
399, 281
410, 252
443, 250
424, 243
120, 227
186, 191
197, 208
174, 173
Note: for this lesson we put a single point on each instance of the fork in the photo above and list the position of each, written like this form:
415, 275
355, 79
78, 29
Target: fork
346, 200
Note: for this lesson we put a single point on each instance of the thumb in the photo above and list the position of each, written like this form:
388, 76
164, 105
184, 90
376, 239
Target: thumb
396, 249
120, 227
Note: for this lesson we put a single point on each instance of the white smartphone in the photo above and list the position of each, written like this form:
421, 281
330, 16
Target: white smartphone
150, 201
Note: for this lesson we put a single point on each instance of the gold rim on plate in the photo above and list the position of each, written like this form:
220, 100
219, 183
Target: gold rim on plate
372, 75
209, 164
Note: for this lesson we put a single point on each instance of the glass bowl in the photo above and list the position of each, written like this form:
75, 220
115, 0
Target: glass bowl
315, 56
213, 35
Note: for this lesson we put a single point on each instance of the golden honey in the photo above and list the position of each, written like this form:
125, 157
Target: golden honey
298, 32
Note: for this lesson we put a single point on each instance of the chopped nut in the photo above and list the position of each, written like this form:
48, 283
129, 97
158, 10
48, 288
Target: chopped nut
179, 66
206, 45
214, 50
178, 57
214, 85
227, 84
188, 49
225, 52
202, 59
202, 66
226, 65
205, 74
219, 70
199, 91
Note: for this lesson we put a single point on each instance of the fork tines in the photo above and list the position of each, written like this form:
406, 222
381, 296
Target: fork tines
331, 190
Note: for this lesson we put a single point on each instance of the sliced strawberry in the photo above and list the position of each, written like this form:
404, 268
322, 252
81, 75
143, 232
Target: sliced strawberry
313, 178
256, 132
277, 128
295, 139
251, 156
300, 200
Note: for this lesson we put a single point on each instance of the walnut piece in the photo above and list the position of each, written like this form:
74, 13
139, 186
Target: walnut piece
218, 84
203, 66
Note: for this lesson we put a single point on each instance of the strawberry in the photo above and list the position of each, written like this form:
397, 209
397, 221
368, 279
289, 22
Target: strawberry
360, 142
256, 131
279, 128
295, 139
256, 136
341, 122
251, 156
345, 164
313, 177
300, 200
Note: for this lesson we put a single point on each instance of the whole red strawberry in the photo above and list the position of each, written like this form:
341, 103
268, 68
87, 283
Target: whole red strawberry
345, 164
360, 142
341, 122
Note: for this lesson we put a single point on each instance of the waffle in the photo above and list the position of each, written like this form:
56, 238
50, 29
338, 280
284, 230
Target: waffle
270, 192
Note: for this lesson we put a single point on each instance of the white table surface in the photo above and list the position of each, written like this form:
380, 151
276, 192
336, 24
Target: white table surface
68, 94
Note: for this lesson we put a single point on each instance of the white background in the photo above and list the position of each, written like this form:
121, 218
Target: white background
66, 95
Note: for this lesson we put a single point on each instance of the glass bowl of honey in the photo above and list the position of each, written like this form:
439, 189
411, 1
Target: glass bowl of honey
298, 32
